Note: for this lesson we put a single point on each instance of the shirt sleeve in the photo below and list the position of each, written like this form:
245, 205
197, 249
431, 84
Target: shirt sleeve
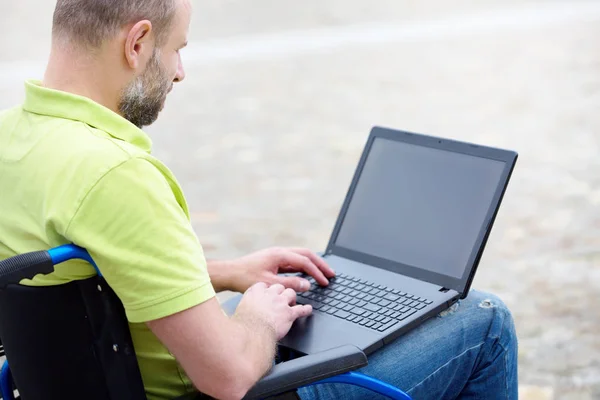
142, 241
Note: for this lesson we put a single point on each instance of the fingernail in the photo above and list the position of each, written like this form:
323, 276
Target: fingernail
304, 285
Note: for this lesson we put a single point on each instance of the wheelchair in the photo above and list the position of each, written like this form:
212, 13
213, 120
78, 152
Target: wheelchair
72, 341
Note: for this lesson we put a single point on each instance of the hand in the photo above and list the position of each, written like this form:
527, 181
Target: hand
264, 266
275, 306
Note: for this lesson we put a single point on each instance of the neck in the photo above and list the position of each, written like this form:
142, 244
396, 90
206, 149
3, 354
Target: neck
87, 76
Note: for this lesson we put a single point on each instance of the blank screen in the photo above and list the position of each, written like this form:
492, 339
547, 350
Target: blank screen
420, 206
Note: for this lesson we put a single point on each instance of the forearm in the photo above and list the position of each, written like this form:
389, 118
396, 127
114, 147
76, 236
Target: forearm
221, 274
258, 345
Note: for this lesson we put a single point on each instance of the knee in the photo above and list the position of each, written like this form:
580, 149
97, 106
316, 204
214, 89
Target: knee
501, 322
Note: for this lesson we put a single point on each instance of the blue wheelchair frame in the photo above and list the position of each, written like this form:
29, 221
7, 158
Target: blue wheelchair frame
68, 252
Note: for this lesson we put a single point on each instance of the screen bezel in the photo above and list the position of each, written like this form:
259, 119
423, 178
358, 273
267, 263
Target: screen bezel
461, 285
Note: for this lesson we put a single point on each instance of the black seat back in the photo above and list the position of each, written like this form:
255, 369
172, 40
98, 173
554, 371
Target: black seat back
69, 342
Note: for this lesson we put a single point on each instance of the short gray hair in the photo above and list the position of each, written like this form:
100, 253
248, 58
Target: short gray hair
91, 22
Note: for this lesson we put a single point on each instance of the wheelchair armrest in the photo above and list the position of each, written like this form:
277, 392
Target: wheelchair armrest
13, 270
302, 371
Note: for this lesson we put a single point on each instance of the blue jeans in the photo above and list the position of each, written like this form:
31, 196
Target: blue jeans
466, 352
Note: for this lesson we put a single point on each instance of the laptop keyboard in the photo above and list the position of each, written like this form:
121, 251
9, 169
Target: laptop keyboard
362, 302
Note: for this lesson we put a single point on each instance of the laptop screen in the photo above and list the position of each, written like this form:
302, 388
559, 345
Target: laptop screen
420, 206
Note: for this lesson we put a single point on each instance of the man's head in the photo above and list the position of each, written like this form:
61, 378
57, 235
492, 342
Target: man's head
135, 42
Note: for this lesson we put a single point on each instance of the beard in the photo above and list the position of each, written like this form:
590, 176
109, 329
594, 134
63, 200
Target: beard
143, 99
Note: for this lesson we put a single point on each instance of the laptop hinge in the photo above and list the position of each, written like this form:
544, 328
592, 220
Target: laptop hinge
444, 289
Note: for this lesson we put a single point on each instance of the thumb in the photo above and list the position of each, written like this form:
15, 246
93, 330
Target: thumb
293, 282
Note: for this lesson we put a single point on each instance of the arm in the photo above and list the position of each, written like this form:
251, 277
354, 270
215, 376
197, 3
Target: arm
220, 273
263, 266
224, 357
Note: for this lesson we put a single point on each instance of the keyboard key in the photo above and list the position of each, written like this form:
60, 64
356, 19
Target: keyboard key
354, 301
325, 308
361, 303
406, 315
406, 301
368, 297
396, 291
367, 314
379, 318
420, 306
384, 303
370, 324
397, 307
364, 321
350, 317
395, 315
404, 309
380, 287
353, 285
391, 297
385, 320
373, 290
385, 327
358, 320
372, 307
361, 295
428, 302
334, 303
317, 306
358, 311
389, 312
376, 326
409, 296
347, 307
360, 287
341, 314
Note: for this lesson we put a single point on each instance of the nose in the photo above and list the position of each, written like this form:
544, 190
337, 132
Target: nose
180, 75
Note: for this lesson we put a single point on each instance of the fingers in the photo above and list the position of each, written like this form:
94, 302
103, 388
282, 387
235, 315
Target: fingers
315, 259
298, 262
300, 311
290, 295
278, 288
257, 286
294, 282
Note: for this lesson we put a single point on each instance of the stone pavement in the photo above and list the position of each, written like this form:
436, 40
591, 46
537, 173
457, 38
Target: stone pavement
265, 133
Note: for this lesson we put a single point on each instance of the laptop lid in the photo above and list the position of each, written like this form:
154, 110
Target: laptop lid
422, 206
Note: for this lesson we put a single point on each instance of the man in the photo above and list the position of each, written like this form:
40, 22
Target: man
79, 170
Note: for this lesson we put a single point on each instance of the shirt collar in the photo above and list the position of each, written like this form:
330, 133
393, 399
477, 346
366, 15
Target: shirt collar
55, 103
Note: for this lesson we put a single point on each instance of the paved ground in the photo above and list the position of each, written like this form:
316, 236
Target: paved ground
265, 134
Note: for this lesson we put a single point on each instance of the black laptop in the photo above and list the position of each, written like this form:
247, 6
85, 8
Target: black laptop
407, 241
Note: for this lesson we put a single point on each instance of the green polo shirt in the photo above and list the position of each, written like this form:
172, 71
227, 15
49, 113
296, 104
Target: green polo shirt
73, 171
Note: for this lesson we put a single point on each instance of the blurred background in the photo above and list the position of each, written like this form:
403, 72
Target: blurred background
266, 131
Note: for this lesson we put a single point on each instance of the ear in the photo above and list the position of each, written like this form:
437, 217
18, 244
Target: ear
138, 45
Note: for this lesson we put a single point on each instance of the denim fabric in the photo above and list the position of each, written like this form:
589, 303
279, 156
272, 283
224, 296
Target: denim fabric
467, 352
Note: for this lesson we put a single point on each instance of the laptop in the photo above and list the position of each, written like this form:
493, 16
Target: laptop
407, 241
